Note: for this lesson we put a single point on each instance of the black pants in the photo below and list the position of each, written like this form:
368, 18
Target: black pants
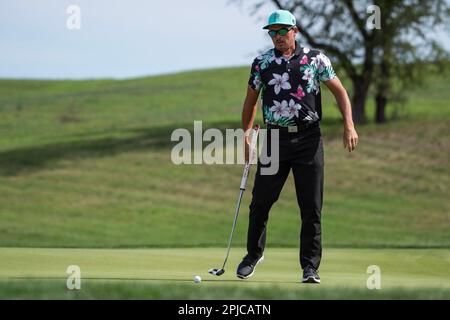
303, 152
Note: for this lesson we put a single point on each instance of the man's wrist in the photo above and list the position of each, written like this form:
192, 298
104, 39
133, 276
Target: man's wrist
349, 126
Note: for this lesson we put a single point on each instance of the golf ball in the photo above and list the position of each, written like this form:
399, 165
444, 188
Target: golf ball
197, 279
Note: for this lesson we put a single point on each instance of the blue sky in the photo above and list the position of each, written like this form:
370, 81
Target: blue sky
126, 38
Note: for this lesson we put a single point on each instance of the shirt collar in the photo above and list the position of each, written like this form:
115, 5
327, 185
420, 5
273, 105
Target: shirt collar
298, 49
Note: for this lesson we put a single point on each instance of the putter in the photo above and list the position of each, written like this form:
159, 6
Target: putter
221, 271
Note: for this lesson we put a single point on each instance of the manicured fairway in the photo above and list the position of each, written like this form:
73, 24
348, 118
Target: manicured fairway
167, 273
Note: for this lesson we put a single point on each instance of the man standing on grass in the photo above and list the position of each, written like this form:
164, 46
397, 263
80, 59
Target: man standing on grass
288, 77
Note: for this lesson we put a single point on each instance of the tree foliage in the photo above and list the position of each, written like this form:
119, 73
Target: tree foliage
373, 58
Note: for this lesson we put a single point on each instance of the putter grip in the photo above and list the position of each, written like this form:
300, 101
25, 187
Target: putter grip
250, 151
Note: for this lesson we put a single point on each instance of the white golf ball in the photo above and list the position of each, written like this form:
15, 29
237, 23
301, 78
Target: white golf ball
197, 279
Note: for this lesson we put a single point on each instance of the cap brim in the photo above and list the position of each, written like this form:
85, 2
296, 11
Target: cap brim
282, 24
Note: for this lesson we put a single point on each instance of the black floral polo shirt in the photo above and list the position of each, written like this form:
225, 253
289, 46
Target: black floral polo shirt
290, 88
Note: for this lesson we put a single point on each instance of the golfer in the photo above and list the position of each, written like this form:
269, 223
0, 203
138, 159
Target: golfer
288, 77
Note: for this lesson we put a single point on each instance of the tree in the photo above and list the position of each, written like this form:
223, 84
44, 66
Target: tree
371, 56
405, 51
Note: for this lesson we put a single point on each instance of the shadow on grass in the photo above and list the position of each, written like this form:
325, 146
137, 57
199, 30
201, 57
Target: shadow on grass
29, 159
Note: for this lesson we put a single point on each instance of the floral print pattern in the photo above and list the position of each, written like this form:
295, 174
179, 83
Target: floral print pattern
299, 94
290, 87
292, 109
280, 82
311, 117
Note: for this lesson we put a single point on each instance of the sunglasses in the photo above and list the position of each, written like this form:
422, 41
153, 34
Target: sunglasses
281, 32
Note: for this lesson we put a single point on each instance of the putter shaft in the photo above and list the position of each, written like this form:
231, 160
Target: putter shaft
241, 191
234, 226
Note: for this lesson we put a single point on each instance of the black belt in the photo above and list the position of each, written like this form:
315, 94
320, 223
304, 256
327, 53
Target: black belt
296, 128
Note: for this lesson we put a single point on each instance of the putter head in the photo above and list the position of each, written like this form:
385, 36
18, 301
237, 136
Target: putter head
216, 272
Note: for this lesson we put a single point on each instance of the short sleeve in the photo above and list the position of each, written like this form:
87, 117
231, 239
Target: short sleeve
324, 68
255, 78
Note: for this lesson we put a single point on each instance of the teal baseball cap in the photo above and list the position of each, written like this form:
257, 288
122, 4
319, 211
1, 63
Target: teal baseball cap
281, 17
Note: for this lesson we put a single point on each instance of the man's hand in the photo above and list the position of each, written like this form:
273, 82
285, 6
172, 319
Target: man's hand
350, 138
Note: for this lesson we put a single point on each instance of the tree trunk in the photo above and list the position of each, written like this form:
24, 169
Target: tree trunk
359, 102
383, 86
380, 111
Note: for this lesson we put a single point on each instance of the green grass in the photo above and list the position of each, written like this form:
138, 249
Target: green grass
86, 164
168, 274
139, 289
388, 193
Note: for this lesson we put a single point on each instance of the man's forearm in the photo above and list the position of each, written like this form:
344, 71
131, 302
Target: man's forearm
346, 109
248, 115
249, 108
350, 137
343, 101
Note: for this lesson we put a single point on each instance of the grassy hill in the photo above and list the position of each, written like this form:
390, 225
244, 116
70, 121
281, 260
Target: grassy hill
87, 164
